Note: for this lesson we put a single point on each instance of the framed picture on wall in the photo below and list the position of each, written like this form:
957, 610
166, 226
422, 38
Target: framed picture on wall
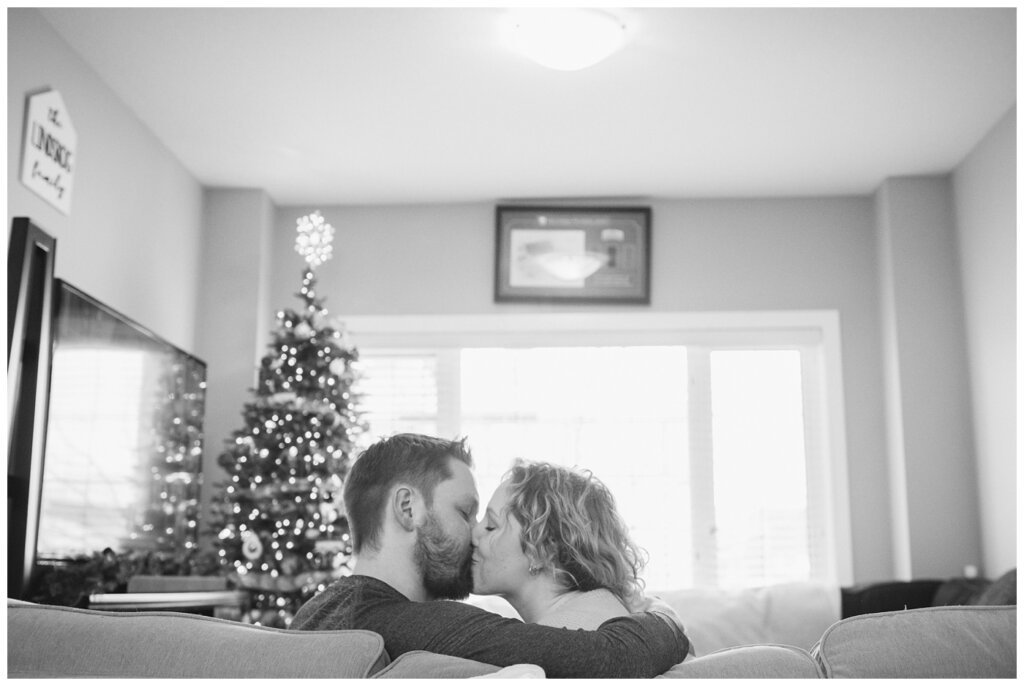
573, 254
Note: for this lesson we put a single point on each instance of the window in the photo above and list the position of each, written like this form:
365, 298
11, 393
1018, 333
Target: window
715, 447
762, 511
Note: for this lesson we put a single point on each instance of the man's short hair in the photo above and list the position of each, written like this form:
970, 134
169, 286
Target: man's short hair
421, 461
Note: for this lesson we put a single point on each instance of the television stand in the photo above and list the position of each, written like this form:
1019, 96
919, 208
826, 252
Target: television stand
223, 604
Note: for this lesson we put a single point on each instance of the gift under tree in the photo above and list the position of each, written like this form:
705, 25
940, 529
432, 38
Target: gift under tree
279, 521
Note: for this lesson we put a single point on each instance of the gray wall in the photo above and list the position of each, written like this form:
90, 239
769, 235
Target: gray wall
133, 238
933, 490
985, 187
234, 314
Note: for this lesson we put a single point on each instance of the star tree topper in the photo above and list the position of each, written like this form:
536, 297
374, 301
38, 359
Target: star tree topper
314, 240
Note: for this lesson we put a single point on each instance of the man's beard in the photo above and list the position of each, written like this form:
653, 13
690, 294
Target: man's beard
446, 566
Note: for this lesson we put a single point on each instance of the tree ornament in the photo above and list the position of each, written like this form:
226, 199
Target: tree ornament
272, 619
290, 565
337, 366
329, 511
252, 546
334, 486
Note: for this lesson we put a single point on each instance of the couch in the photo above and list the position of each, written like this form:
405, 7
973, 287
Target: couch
56, 642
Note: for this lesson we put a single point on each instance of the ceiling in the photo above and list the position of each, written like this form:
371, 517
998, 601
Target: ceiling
424, 105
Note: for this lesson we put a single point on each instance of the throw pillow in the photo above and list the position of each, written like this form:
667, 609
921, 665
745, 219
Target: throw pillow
1002, 591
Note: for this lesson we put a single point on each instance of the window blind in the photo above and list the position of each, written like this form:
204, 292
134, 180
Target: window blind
399, 393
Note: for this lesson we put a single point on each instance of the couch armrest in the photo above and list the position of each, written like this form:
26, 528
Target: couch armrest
931, 642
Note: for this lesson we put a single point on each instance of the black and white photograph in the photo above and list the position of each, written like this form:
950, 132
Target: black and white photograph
544, 342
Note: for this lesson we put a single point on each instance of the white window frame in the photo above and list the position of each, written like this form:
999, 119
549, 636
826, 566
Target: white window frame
814, 330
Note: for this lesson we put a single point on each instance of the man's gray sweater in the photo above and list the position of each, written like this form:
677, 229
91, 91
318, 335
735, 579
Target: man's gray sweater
638, 646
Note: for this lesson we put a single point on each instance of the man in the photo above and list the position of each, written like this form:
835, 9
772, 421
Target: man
412, 504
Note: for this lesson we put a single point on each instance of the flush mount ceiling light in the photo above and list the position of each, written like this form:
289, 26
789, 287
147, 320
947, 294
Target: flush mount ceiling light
565, 39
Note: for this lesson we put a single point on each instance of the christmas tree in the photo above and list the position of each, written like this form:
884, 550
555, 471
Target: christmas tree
167, 528
279, 521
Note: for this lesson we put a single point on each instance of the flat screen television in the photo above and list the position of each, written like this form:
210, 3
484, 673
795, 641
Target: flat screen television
122, 466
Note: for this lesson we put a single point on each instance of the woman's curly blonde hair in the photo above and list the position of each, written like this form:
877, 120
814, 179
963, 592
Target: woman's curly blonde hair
570, 525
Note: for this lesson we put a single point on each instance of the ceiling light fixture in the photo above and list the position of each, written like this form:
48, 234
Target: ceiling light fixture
565, 39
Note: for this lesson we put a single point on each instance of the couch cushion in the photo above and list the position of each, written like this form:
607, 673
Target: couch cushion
793, 614
957, 591
748, 662
420, 664
520, 671
931, 642
50, 641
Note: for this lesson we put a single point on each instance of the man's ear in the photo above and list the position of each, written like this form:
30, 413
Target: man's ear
402, 507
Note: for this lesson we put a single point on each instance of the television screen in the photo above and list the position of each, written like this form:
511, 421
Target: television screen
122, 464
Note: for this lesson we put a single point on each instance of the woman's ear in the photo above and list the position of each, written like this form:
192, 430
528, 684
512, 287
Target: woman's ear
402, 507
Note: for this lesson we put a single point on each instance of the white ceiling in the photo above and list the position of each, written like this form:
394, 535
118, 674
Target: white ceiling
400, 105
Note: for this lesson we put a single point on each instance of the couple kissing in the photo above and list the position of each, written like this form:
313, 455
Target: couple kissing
549, 541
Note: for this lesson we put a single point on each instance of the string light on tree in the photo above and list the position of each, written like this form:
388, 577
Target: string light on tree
279, 521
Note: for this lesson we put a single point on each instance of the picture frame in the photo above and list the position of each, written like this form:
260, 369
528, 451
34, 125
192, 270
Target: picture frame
562, 254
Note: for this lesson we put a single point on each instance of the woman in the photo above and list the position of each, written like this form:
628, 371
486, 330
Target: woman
552, 543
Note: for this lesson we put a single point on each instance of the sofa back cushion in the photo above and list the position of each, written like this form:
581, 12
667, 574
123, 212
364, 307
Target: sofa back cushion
748, 662
793, 614
931, 642
49, 641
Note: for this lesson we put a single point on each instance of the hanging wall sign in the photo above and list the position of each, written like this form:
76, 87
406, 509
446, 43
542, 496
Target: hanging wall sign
48, 156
